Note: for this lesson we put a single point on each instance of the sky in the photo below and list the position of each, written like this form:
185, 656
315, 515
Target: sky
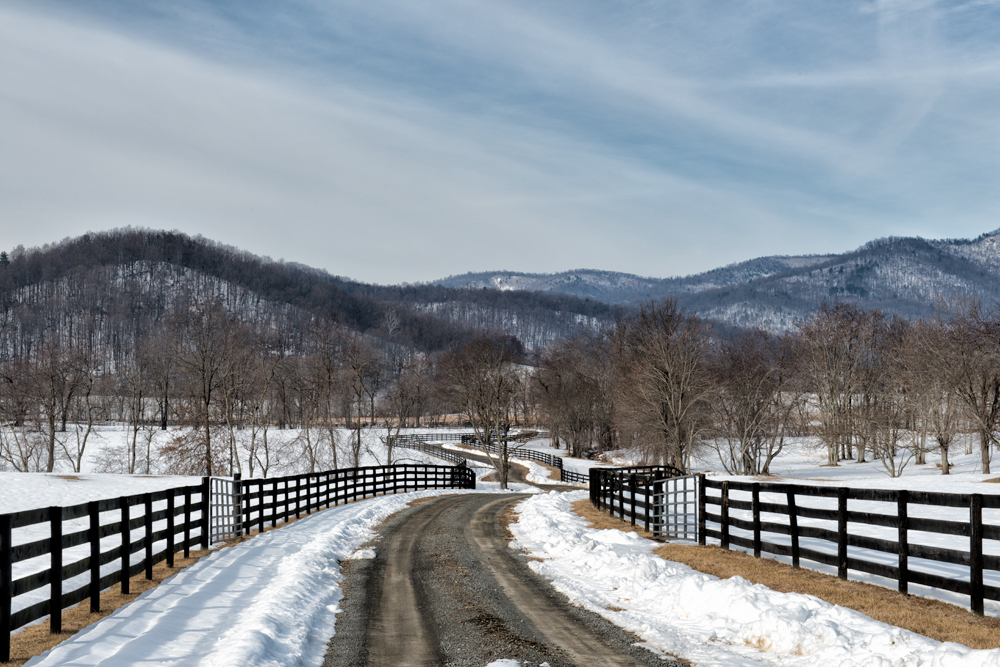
408, 140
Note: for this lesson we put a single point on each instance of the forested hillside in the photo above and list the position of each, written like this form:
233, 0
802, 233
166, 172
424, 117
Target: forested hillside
110, 287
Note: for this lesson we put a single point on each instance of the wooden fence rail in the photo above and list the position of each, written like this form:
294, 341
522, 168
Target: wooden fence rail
777, 510
170, 521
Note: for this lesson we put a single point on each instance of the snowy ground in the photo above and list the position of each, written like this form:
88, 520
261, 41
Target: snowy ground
708, 621
107, 450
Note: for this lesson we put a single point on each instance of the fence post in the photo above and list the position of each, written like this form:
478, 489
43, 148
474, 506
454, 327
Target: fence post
94, 534
650, 498
206, 517
725, 515
6, 580
126, 554
298, 497
701, 509
187, 522
793, 527
171, 508
903, 521
976, 592
147, 540
237, 505
260, 506
842, 533
632, 492
56, 566
755, 508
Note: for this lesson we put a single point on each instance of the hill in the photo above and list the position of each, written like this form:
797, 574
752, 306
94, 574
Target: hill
113, 286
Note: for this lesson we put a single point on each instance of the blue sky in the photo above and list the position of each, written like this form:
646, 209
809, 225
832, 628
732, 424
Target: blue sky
402, 141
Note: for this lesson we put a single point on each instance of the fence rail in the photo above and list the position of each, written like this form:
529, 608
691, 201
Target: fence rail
771, 519
81, 540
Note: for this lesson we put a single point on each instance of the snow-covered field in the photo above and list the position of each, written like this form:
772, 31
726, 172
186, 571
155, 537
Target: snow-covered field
708, 621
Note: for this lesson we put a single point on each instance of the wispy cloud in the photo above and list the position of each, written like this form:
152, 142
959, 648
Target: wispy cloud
408, 140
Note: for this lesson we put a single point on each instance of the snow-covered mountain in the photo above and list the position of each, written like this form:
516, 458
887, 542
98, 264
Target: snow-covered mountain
899, 275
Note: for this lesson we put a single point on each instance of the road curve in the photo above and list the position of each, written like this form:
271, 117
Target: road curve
446, 589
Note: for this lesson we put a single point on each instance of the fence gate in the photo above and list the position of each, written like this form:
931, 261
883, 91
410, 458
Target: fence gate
223, 509
679, 508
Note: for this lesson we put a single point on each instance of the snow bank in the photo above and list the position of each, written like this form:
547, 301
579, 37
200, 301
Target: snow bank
704, 619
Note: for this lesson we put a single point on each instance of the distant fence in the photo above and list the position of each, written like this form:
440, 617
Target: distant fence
418, 441
81, 540
817, 524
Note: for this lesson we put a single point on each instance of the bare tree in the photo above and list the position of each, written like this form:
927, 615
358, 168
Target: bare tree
832, 360
53, 379
573, 381
484, 382
973, 337
664, 382
932, 366
399, 403
206, 341
757, 400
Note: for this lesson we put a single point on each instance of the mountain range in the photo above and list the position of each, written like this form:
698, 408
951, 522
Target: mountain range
902, 275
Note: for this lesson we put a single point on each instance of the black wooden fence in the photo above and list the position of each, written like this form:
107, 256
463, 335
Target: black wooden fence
171, 521
183, 509
262, 502
420, 442
776, 518
781, 531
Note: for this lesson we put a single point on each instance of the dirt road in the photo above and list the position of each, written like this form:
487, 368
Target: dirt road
446, 589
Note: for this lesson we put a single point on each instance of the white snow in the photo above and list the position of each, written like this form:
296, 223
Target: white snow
704, 619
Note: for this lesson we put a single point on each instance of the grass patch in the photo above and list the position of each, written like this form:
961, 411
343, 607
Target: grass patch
932, 618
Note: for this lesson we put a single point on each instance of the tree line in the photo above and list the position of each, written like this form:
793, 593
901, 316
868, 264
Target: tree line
872, 386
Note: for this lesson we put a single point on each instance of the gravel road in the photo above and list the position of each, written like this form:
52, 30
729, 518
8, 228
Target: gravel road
446, 589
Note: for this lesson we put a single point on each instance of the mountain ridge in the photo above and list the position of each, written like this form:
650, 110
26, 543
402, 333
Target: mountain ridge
902, 275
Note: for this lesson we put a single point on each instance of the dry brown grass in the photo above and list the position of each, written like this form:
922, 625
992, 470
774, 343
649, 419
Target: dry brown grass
931, 618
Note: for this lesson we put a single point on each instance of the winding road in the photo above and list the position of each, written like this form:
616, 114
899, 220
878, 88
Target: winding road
445, 588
